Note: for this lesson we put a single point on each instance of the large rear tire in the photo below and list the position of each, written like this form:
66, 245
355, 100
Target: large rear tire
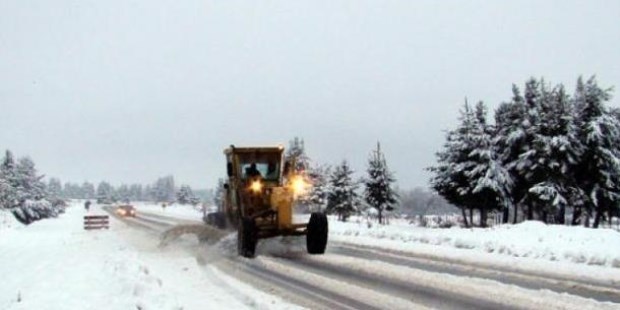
316, 236
246, 238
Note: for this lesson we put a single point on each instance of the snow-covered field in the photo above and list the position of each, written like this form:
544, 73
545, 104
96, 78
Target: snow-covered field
533, 246
529, 239
55, 264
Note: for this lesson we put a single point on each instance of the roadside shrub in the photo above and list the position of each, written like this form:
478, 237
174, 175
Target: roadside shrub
30, 211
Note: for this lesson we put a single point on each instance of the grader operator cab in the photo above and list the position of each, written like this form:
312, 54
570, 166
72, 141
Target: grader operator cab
258, 200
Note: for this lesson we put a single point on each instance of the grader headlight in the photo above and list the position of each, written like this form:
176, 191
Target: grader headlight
299, 186
256, 186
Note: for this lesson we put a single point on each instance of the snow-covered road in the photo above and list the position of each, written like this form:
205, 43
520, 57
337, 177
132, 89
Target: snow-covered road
54, 264
348, 264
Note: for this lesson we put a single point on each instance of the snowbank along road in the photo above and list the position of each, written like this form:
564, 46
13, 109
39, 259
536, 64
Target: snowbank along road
353, 276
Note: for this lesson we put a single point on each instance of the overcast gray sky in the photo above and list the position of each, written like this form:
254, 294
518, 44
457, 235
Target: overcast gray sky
127, 91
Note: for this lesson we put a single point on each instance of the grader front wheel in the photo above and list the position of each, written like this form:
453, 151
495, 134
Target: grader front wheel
316, 236
246, 238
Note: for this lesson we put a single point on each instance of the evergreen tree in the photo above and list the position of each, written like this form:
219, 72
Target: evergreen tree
148, 193
319, 177
558, 152
450, 176
54, 189
105, 193
218, 195
547, 152
164, 189
512, 140
598, 173
342, 198
378, 192
73, 191
135, 192
29, 183
7, 194
88, 190
123, 194
526, 165
470, 173
23, 192
616, 113
185, 195
296, 153
525, 129
9, 182
490, 181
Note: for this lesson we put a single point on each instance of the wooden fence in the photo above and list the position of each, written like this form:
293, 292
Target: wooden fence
96, 222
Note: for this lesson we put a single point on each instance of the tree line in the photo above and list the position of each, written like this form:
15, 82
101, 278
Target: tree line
163, 190
24, 192
547, 156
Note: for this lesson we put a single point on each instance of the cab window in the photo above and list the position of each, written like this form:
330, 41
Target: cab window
268, 171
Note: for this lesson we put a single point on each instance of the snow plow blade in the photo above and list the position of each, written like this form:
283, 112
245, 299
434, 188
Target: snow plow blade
204, 233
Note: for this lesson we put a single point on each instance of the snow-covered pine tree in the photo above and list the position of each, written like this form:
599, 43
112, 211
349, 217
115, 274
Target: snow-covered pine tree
558, 151
296, 155
135, 192
73, 190
616, 113
490, 181
378, 191
123, 194
8, 176
342, 198
218, 194
319, 177
105, 193
88, 190
598, 173
23, 191
511, 139
527, 163
169, 188
449, 177
30, 185
6, 194
296, 152
54, 189
185, 195
164, 189
148, 194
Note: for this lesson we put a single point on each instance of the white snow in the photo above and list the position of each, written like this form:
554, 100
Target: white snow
533, 246
507, 295
55, 264
577, 251
185, 212
369, 296
8, 221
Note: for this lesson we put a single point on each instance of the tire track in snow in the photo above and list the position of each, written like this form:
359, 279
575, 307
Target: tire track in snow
530, 280
452, 292
411, 291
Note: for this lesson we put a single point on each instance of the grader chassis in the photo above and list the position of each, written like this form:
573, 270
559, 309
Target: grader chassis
259, 197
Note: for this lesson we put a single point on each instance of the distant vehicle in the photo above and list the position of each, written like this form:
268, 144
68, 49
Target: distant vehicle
126, 210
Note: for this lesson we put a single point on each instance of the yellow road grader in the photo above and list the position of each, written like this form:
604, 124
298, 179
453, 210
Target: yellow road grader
259, 198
